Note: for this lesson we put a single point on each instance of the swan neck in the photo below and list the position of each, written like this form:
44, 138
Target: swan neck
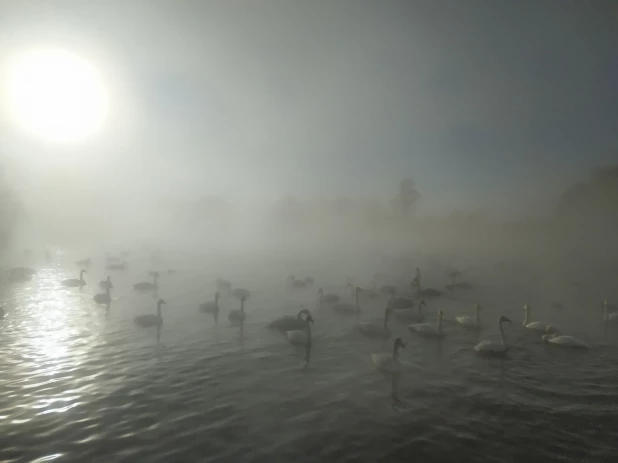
242, 306
439, 324
478, 317
386, 313
502, 338
395, 351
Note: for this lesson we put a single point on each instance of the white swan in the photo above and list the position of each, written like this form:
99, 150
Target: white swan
425, 329
535, 326
491, 347
410, 315
301, 337
607, 316
238, 315
103, 298
150, 319
146, 285
471, 322
74, 282
372, 330
389, 363
329, 298
554, 337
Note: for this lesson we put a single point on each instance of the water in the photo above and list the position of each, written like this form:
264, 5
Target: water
82, 384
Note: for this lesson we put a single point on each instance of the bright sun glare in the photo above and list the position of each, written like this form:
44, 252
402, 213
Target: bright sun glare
55, 95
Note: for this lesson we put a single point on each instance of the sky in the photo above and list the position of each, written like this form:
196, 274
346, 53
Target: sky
487, 105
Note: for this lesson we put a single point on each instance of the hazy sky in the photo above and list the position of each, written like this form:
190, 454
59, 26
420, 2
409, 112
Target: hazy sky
484, 103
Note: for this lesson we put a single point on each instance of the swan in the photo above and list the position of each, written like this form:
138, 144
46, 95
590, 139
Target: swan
301, 337
87, 262
409, 315
426, 292
346, 308
294, 283
417, 274
150, 319
74, 282
471, 322
328, 298
146, 285
241, 293
425, 329
103, 298
211, 307
535, 326
289, 322
238, 315
554, 337
607, 316
389, 363
104, 284
372, 330
491, 347
116, 266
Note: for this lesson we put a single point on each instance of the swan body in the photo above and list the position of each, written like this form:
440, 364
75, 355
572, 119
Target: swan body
372, 330
494, 348
564, 341
400, 302
301, 337
238, 315
425, 329
427, 292
389, 363
107, 283
289, 323
471, 322
409, 315
147, 285
103, 298
534, 326
294, 283
148, 320
328, 298
116, 266
75, 282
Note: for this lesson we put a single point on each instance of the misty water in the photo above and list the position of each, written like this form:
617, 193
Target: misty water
82, 383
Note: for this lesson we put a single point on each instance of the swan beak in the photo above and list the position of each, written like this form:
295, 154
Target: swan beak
507, 320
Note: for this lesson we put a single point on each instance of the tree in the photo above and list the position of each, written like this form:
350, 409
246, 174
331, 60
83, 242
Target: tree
407, 197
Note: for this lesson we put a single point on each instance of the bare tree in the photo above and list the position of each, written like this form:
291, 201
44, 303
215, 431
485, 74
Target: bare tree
407, 197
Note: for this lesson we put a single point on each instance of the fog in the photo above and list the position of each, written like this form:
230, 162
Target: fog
287, 130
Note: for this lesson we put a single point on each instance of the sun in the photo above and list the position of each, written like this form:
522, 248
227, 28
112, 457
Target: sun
55, 95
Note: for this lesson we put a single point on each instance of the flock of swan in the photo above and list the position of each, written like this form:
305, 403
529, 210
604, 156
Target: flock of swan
407, 309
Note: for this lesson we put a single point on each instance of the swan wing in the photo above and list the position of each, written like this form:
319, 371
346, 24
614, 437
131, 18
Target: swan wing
569, 341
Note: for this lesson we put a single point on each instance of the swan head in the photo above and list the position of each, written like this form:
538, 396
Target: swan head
526, 307
358, 289
320, 291
504, 319
552, 330
309, 318
243, 298
422, 303
477, 307
399, 343
440, 314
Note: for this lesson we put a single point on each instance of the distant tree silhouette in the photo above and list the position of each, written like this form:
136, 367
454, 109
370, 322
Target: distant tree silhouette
407, 197
595, 200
